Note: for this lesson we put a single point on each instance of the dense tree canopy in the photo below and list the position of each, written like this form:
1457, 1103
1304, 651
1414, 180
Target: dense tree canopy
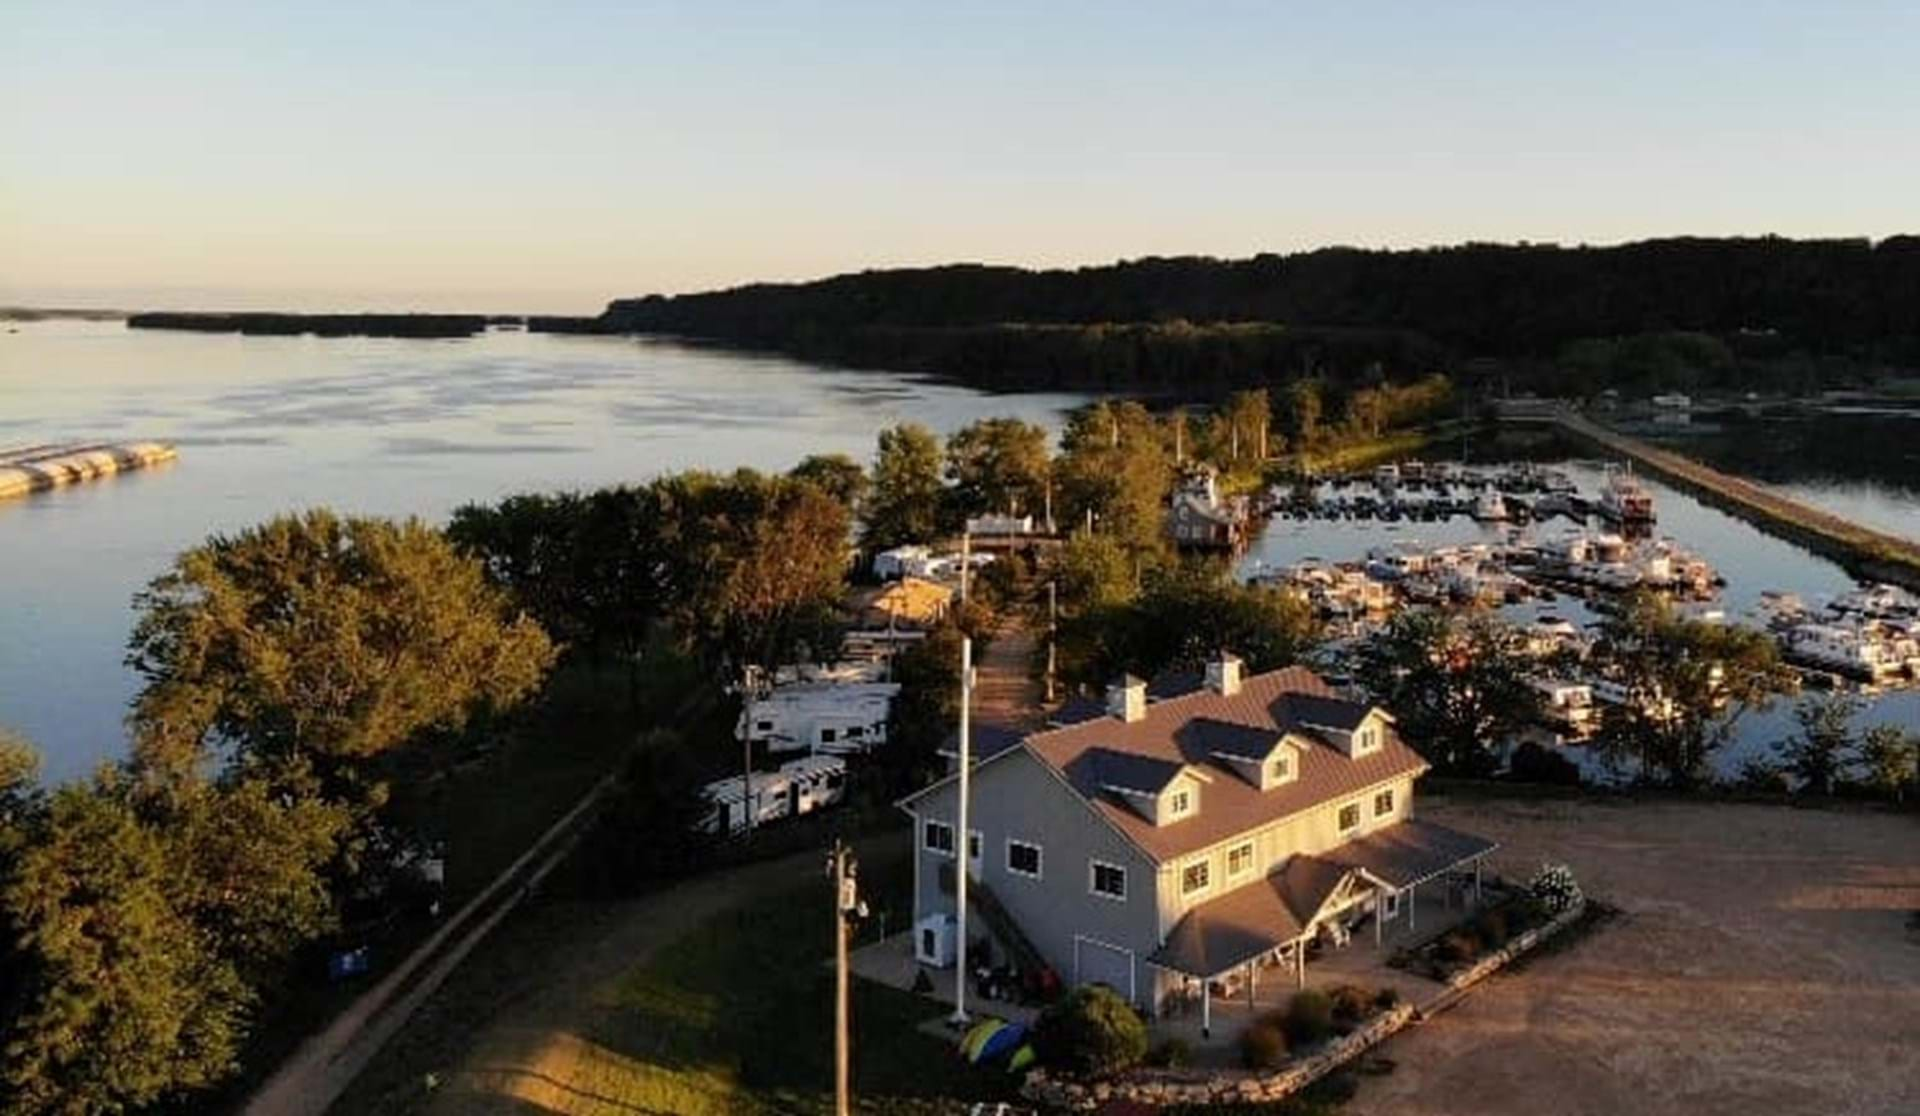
999, 465
1183, 616
907, 498
1457, 686
326, 639
1337, 314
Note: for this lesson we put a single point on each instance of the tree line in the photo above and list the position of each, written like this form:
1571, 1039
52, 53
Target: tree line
1732, 311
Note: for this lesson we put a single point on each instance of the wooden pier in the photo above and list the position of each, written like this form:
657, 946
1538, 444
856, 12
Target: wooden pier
30, 469
1866, 552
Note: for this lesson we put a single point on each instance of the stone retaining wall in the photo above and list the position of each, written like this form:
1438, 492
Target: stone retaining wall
1165, 1087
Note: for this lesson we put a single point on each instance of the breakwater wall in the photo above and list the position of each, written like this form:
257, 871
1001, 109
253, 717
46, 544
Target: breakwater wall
1865, 552
30, 469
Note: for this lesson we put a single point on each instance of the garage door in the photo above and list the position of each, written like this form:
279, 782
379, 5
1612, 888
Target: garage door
1100, 963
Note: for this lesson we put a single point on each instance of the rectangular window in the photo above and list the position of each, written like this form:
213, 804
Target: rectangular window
763, 726
1109, 880
1349, 817
1180, 804
1383, 804
939, 838
1196, 877
856, 730
1023, 859
1278, 766
973, 844
826, 736
1368, 741
1240, 860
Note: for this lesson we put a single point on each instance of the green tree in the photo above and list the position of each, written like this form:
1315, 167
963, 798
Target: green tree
325, 639
1183, 617
1889, 759
999, 465
1458, 687
1090, 1031
907, 496
1093, 572
1818, 754
1686, 683
650, 829
1305, 405
1116, 466
118, 999
836, 474
1248, 414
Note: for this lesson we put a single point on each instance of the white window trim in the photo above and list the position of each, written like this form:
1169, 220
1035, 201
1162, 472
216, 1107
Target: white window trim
1039, 858
1392, 909
930, 823
1174, 812
1201, 862
1359, 816
1093, 877
1391, 802
1251, 850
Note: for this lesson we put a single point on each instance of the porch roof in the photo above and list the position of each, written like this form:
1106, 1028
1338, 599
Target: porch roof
1222, 934
1410, 852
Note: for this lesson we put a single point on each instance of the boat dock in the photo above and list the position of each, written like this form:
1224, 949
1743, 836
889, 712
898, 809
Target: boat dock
1869, 553
30, 469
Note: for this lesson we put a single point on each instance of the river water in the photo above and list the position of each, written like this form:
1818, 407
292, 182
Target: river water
388, 427
405, 427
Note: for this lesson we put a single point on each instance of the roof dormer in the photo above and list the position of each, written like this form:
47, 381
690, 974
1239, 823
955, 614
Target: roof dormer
1161, 791
1261, 758
1356, 730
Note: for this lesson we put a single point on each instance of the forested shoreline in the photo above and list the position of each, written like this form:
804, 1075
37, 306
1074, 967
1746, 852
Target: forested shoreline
1756, 313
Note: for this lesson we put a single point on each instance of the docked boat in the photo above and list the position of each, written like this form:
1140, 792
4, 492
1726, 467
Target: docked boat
1624, 499
1870, 651
1489, 507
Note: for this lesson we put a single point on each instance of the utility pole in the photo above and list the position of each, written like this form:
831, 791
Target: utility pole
751, 690
1050, 529
847, 907
966, 564
1053, 632
963, 851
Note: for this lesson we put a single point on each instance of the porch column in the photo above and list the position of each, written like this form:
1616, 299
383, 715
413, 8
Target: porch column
1253, 981
1476, 883
1300, 963
1413, 908
1206, 1007
1379, 916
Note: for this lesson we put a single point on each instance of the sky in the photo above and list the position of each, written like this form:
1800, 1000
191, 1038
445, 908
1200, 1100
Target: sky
549, 156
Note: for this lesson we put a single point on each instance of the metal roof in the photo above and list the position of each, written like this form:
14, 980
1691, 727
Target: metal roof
1410, 852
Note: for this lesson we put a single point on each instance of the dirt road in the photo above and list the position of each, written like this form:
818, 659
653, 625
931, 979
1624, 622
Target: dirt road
1761, 964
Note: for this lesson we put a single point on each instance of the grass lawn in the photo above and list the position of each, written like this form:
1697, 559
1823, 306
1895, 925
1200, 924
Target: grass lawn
738, 1017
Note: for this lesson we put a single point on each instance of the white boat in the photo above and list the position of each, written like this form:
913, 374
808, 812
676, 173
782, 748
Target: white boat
1867, 651
1386, 476
1624, 499
1489, 507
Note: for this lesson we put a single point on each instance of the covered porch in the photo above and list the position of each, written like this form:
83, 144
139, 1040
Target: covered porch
1318, 921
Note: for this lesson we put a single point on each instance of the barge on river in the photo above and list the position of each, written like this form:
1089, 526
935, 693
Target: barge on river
30, 469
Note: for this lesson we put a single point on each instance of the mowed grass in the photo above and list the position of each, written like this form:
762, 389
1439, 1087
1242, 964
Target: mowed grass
738, 1017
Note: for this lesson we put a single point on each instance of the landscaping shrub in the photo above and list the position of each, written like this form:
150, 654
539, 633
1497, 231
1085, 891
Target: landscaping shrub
1262, 1046
1556, 888
1090, 1031
1386, 999
1351, 1004
1532, 763
1492, 927
1171, 1054
1457, 946
1309, 1017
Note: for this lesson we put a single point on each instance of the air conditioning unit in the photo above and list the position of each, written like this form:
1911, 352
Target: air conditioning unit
933, 940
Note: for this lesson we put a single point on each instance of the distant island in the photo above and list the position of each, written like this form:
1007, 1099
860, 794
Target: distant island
321, 325
1680, 313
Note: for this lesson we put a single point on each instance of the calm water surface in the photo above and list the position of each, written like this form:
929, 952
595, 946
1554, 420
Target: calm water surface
387, 427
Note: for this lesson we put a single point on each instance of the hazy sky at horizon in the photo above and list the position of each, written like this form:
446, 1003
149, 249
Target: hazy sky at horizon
548, 157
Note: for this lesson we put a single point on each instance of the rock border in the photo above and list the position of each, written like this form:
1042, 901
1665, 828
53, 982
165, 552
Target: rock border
1200, 1087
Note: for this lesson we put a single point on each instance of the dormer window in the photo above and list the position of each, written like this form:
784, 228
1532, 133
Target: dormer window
1180, 804
1280, 767
1366, 740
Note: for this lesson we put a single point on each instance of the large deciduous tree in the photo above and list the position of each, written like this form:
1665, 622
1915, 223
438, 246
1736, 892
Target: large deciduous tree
836, 474
325, 638
1685, 683
1116, 467
999, 465
1456, 686
907, 497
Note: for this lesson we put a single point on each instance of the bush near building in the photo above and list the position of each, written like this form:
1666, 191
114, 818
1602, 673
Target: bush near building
1091, 1031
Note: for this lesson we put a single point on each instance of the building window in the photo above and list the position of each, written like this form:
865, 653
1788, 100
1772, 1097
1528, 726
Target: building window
1196, 877
1023, 859
1367, 741
763, 726
1383, 804
1180, 804
973, 844
826, 736
1240, 860
1349, 817
1393, 905
1279, 766
1109, 880
939, 838
856, 730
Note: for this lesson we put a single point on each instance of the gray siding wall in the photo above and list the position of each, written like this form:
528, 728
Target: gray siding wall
1015, 796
